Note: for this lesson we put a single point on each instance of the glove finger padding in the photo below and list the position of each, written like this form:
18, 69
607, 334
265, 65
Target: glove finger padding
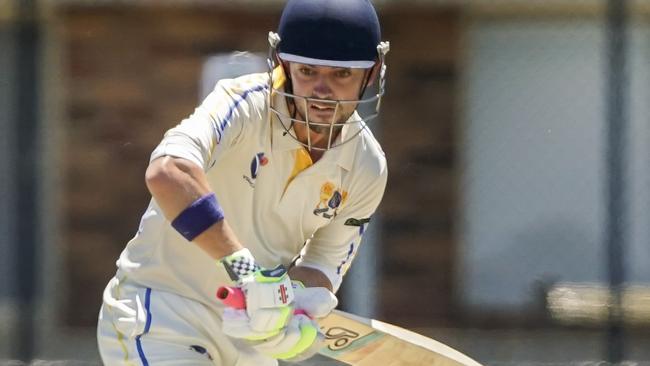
237, 324
310, 350
301, 338
269, 301
318, 302
269, 320
282, 342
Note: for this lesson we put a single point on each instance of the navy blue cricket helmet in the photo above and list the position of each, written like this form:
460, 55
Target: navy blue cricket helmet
342, 33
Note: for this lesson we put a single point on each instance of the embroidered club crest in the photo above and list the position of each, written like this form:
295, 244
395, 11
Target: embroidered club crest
329, 201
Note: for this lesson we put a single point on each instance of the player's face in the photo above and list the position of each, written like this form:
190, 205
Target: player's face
329, 83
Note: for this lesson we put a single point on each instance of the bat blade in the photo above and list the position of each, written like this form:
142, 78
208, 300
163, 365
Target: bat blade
354, 340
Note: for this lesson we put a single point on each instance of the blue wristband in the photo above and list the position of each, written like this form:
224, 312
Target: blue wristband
198, 217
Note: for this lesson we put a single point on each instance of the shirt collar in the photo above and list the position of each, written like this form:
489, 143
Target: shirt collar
281, 141
344, 154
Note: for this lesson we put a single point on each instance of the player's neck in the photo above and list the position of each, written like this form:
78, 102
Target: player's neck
316, 140
316, 155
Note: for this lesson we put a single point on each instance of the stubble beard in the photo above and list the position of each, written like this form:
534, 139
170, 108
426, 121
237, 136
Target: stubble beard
325, 130
322, 129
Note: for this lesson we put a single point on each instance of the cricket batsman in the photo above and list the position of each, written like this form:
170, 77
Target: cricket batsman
268, 187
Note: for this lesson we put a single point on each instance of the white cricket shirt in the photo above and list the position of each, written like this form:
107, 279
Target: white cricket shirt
249, 162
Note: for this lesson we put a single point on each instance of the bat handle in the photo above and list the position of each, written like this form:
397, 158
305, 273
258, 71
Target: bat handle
233, 297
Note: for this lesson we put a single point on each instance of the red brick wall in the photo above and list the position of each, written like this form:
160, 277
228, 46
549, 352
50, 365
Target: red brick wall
419, 141
132, 72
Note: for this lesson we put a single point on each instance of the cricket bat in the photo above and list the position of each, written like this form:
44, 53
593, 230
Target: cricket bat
357, 341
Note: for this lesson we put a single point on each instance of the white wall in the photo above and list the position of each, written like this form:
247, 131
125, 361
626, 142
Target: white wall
533, 168
639, 167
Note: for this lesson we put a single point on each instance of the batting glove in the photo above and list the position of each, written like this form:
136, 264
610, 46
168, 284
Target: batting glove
317, 302
311, 303
269, 298
302, 338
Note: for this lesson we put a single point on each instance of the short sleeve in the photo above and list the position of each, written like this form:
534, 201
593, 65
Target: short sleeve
217, 124
334, 246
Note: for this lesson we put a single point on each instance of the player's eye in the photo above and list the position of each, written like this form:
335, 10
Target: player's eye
306, 71
343, 73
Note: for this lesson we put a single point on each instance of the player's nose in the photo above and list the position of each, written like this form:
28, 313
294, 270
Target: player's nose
322, 90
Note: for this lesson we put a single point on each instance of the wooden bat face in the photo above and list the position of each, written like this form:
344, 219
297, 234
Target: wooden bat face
353, 340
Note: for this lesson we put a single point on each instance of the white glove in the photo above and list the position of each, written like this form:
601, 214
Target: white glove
317, 302
269, 298
300, 339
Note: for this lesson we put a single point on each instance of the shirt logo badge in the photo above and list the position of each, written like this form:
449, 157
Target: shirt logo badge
259, 160
282, 291
329, 201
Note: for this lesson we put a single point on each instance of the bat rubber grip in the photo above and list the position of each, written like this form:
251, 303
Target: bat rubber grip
232, 297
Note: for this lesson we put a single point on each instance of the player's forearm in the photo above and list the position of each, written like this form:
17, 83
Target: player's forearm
310, 277
177, 183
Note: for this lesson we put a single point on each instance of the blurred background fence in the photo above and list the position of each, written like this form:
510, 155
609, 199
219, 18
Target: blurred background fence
516, 219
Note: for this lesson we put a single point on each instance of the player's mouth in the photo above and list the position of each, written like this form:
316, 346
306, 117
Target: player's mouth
321, 109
